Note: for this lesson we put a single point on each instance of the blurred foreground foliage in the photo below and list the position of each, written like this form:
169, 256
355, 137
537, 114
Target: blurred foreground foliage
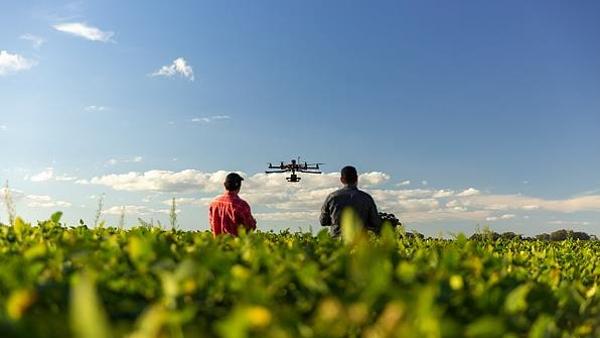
58, 281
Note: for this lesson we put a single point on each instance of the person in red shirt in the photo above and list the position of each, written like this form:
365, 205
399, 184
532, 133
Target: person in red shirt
228, 211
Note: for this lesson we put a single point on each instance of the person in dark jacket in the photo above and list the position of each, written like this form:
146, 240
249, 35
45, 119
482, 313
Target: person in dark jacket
349, 197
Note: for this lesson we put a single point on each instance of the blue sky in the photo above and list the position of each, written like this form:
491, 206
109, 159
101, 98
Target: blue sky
489, 109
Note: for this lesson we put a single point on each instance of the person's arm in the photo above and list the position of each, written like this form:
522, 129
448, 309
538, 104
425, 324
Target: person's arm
211, 220
374, 219
247, 219
325, 217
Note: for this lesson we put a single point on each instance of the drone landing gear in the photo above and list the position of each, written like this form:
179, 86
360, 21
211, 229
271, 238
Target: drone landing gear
293, 178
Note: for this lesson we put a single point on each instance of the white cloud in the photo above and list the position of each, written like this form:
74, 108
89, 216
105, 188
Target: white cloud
443, 215
95, 108
373, 178
189, 201
36, 41
443, 193
65, 178
286, 216
469, 192
3, 127
46, 175
85, 31
497, 207
127, 209
569, 223
272, 194
270, 190
520, 202
136, 210
424, 182
418, 204
453, 204
49, 175
402, 194
179, 66
13, 63
209, 119
403, 183
163, 180
502, 217
135, 159
44, 201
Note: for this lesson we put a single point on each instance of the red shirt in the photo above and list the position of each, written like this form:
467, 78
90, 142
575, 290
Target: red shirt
229, 211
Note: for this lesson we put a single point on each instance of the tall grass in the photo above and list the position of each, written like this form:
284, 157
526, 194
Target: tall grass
173, 215
122, 218
9, 204
99, 211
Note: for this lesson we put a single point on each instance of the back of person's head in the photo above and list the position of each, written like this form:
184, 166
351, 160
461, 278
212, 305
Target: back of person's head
349, 175
233, 182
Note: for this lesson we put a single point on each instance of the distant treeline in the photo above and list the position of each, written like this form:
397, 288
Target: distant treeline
558, 235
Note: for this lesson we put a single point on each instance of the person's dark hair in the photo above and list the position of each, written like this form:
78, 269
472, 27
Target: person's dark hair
349, 175
233, 182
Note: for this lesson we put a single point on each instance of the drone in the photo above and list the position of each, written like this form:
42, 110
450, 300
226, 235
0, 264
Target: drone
295, 166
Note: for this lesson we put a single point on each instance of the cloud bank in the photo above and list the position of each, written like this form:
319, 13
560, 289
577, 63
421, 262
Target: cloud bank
277, 200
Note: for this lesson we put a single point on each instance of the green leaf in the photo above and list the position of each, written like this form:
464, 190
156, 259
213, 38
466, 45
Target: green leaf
56, 217
516, 301
88, 319
486, 327
20, 227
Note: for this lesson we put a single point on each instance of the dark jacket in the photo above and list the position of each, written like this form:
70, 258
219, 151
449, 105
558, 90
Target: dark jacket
349, 196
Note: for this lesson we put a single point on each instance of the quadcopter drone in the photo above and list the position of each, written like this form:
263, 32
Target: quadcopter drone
293, 167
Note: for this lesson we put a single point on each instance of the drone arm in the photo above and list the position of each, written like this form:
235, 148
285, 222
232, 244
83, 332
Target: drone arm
309, 171
274, 171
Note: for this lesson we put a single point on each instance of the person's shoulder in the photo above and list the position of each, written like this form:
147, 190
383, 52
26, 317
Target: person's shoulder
219, 200
365, 194
335, 193
242, 202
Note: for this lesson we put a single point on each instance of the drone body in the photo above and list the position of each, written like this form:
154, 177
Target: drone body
293, 167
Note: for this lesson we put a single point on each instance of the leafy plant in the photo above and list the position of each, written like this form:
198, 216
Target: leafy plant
58, 281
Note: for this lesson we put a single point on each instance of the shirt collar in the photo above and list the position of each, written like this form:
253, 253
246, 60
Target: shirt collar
351, 187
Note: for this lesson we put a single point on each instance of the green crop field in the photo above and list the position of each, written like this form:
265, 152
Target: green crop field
60, 281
